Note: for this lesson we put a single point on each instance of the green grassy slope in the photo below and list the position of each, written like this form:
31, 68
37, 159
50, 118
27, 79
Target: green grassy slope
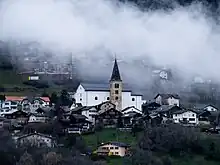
10, 80
9, 77
109, 135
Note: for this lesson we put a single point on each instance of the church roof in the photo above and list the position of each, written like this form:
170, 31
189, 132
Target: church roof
101, 87
115, 73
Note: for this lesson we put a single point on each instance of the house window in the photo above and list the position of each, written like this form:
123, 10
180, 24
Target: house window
116, 153
107, 98
111, 148
116, 85
116, 148
193, 115
96, 98
191, 119
116, 98
80, 99
116, 92
133, 99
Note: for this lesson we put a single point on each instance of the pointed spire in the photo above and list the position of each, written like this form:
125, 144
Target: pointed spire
115, 73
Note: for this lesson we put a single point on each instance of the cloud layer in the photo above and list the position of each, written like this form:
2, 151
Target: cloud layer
94, 30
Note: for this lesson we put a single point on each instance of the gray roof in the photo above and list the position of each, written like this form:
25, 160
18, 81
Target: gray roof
164, 108
102, 87
166, 96
183, 111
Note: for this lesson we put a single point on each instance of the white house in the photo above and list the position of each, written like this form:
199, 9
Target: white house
36, 139
115, 91
37, 118
186, 116
162, 74
11, 102
210, 108
5, 111
34, 103
90, 112
167, 99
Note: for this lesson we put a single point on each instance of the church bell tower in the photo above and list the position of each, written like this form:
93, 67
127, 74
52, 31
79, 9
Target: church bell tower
116, 87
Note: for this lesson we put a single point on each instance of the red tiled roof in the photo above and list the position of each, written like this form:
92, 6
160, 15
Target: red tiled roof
20, 98
46, 99
14, 98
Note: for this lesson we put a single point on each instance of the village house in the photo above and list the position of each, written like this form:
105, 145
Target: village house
89, 111
37, 118
108, 114
164, 74
115, 91
11, 102
35, 139
204, 118
209, 117
210, 108
32, 104
75, 123
129, 115
166, 109
206, 107
167, 99
150, 106
113, 148
157, 119
18, 116
4, 111
185, 117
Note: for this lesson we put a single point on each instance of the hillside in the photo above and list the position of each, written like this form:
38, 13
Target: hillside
12, 84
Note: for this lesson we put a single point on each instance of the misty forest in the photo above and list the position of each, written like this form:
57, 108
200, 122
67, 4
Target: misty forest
159, 59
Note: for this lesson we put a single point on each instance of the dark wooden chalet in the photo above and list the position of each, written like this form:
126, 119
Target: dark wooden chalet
128, 118
167, 110
75, 122
148, 107
109, 117
20, 116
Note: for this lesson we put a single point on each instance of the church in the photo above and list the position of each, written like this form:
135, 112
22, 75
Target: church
115, 91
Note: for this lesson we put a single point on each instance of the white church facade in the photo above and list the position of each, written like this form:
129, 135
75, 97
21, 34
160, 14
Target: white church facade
115, 92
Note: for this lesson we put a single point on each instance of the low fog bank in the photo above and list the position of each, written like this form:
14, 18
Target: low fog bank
94, 31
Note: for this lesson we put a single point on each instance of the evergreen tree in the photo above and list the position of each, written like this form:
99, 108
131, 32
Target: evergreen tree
65, 99
53, 98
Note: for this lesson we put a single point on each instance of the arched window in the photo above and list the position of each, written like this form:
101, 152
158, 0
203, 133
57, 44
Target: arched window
133, 99
96, 98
